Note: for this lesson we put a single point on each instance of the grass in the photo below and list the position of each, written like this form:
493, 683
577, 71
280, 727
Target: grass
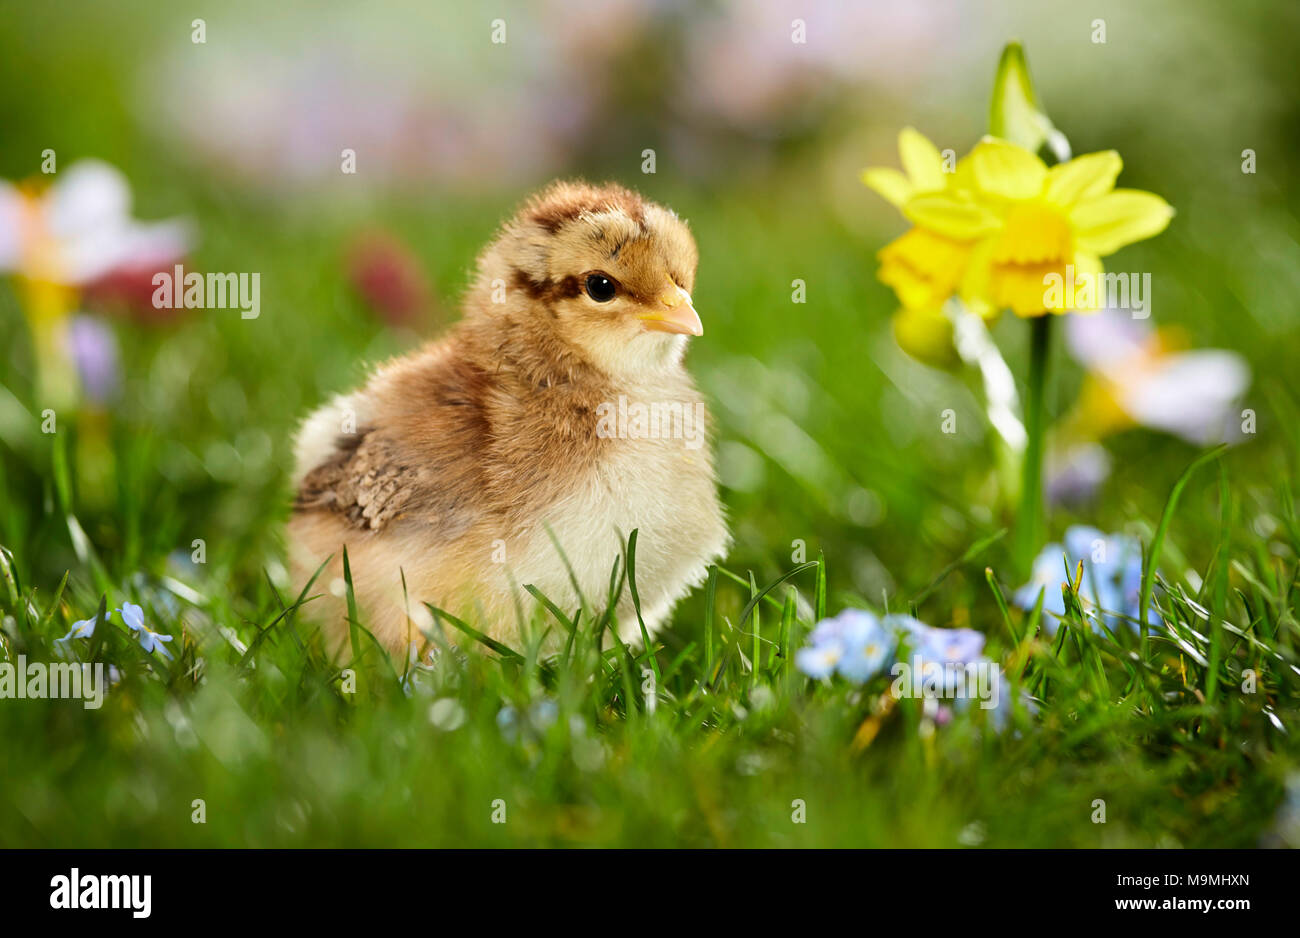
710, 738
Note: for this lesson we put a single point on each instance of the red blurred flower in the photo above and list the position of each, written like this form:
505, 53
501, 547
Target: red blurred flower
130, 288
388, 276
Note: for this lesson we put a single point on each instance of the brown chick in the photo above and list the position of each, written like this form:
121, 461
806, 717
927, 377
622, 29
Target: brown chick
560, 400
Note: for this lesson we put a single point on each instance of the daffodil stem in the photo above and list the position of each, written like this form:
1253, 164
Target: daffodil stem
1030, 522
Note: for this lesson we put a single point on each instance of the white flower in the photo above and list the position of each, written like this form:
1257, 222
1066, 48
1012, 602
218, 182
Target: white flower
82, 628
150, 640
133, 616
1190, 394
80, 229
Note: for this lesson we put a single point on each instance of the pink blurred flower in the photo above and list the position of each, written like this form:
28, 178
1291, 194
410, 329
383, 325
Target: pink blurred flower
388, 276
744, 65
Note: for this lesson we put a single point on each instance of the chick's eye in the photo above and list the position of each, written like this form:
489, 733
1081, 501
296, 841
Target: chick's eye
600, 288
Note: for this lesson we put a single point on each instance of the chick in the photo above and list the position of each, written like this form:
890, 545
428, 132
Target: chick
559, 401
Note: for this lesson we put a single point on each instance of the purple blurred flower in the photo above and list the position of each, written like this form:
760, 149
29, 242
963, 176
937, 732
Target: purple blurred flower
858, 645
92, 346
1075, 474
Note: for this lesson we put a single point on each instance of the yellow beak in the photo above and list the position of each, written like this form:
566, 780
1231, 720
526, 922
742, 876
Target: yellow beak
674, 313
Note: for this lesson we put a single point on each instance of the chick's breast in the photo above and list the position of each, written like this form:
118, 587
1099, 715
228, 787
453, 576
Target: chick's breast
653, 475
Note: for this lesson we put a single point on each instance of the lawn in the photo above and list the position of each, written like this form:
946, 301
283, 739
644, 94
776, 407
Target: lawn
844, 489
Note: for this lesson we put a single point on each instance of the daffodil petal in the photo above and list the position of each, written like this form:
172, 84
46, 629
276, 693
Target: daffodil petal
1085, 177
921, 161
963, 177
922, 267
926, 335
1103, 226
961, 219
1006, 170
890, 184
974, 289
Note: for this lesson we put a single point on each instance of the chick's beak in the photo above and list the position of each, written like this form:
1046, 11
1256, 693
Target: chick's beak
674, 313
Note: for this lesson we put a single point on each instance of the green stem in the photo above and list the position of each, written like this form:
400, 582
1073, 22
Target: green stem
1030, 523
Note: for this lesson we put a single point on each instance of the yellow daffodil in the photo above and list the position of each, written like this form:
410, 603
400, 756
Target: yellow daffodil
1029, 222
1003, 225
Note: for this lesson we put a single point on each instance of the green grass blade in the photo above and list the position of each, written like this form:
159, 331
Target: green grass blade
1153, 554
710, 599
504, 651
636, 603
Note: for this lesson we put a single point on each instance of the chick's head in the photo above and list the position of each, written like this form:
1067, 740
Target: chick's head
606, 271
